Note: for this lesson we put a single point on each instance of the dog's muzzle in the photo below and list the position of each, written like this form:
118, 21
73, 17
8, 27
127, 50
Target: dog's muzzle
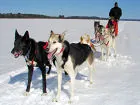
51, 54
16, 53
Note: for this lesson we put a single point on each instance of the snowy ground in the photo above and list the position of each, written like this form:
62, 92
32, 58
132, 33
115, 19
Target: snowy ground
116, 81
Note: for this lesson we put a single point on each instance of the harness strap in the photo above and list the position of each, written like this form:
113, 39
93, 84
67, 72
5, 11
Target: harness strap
61, 51
107, 43
32, 61
45, 46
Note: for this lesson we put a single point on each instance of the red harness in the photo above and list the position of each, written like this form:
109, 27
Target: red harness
101, 38
32, 62
45, 46
107, 43
61, 51
33, 59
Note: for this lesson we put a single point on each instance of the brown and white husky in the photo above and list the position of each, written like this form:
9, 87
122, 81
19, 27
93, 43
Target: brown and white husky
68, 57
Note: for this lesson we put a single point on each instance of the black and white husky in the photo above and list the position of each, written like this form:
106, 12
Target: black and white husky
68, 57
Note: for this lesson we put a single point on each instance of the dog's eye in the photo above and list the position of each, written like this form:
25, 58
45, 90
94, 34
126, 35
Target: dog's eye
54, 41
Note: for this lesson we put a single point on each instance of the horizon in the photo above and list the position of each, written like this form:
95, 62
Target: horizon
67, 8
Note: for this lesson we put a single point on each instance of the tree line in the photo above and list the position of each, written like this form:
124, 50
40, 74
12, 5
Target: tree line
20, 15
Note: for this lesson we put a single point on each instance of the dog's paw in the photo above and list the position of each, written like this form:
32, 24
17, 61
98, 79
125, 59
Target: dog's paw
26, 93
44, 94
54, 100
94, 70
91, 82
102, 58
69, 102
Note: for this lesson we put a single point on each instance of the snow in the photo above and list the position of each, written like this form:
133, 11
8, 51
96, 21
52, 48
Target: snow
116, 81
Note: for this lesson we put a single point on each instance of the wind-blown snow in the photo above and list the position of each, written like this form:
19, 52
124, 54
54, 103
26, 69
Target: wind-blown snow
116, 81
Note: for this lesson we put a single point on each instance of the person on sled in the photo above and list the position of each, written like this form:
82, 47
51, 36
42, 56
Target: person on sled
114, 14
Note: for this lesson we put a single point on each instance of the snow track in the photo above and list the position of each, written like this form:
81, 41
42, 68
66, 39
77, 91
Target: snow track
116, 81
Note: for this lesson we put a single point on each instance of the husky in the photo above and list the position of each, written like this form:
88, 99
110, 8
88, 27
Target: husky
34, 55
85, 39
106, 38
68, 57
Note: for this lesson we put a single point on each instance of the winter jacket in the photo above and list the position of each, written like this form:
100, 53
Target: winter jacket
115, 12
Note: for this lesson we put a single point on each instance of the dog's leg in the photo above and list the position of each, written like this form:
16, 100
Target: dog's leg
43, 70
30, 73
114, 47
91, 75
59, 84
108, 51
72, 77
91, 67
59, 73
50, 66
91, 70
115, 54
102, 56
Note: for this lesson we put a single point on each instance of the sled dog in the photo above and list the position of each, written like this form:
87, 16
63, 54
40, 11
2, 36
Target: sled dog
68, 57
105, 37
34, 55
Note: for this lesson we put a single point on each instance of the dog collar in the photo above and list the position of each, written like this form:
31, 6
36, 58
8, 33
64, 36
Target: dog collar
61, 51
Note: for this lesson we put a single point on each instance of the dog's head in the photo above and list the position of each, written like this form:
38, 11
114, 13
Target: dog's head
111, 26
85, 39
96, 24
101, 29
55, 44
21, 44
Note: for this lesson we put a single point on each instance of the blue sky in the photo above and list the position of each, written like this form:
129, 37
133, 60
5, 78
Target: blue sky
130, 8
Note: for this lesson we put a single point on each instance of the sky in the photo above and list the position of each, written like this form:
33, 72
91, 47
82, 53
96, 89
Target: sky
100, 8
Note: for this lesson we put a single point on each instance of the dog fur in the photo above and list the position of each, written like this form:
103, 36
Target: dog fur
73, 55
34, 55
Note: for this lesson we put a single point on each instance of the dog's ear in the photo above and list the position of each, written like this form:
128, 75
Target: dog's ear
26, 35
81, 39
61, 38
52, 33
16, 34
63, 35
